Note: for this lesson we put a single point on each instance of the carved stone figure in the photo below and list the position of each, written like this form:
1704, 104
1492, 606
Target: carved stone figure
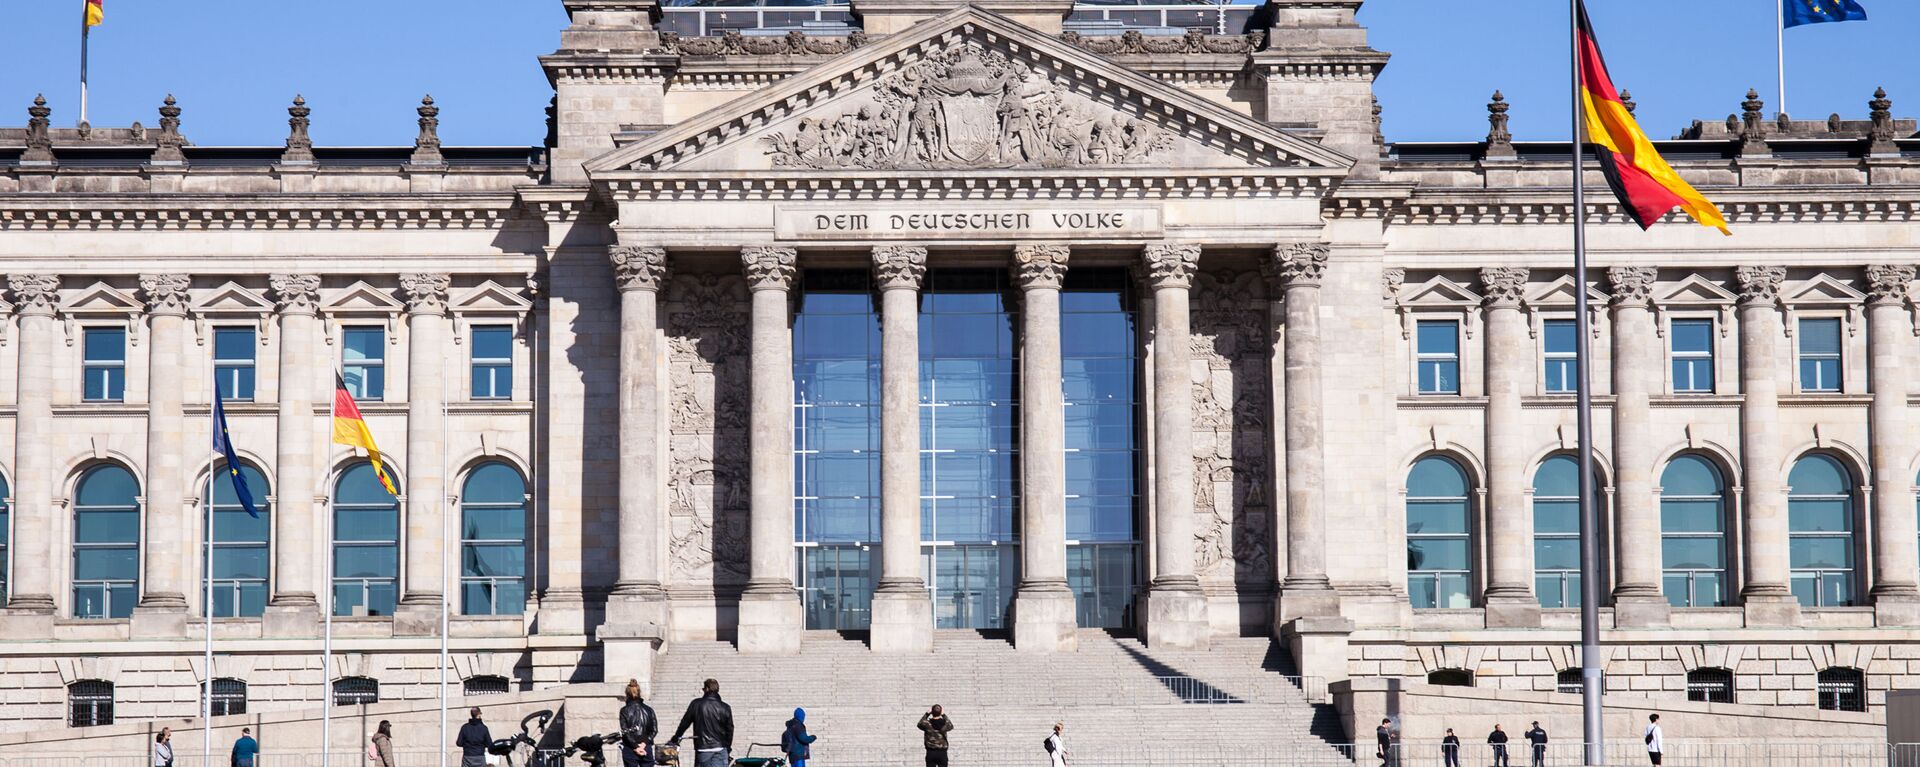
706, 324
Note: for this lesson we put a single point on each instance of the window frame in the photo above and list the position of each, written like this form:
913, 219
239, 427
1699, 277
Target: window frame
386, 339
137, 545
334, 547
1569, 578
1570, 359
1724, 537
225, 366
1471, 573
354, 691
1711, 685
493, 608
1457, 357
1830, 693
226, 700
89, 692
1852, 534
261, 495
88, 365
1838, 357
1711, 356
1573, 678
6, 539
500, 370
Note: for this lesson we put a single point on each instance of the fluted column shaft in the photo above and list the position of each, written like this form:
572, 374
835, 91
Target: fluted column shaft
1636, 358
640, 273
898, 272
1176, 607
170, 522
1039, 271
1509, 595
1306, 589
31, 589
426, 484
769, 609
1894, 533
1768, 568
295, 576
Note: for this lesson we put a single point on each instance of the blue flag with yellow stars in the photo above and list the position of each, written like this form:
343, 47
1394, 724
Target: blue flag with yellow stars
223, 445
1822, 11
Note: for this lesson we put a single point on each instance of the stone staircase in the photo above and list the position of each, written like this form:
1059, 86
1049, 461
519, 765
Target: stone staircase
1111, 694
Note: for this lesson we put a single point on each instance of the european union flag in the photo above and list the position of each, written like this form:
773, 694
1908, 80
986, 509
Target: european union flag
1822, 11
223, 445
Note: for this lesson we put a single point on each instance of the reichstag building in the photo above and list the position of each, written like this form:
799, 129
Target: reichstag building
896, 319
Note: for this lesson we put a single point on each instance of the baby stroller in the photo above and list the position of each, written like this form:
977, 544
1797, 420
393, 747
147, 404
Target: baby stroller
778, 760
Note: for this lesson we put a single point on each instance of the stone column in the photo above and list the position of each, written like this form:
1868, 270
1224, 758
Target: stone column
1637, 599
1510, 601
770, 608
423, 588
1044, 615
1769, 601
1896, 598
902, 608
1305, 591
1176, 614
168, 554
637, 612
294, 610
30, 602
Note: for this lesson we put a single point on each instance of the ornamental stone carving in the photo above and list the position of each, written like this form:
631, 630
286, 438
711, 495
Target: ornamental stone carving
1632, 285
1503, 286
899, 267
1760, 284
426, 292
1172, 265
638, 267
1391, 280
1888, 283
166, 294
969, 107
39, 136
732, 43
1299, 264
295, 293
1232, 391
34, 294
1195, 40
768, 267
707, 321
1040, 266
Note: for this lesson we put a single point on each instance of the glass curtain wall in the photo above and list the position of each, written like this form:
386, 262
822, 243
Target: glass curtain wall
836, 417
1098, 364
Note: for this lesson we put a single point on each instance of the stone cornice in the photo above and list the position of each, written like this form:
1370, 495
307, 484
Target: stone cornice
1742, 206
608, 67
111, 212
1118, 183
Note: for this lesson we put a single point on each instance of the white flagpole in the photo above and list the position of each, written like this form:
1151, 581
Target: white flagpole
326, 582
85, 30
206, 695
1780, 56
447, 584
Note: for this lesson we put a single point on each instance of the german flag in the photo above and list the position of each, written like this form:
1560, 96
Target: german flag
96, 12
350, 429
1647, 186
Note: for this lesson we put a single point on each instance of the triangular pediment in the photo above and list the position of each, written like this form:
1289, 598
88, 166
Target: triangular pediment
971, 90
101, 297
1440, 291
1696, 289
361, 297
1824, 289
491, 296
233, 298
1560, 293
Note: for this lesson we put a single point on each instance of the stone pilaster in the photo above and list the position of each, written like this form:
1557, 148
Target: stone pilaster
170, 564
902, 608
1896, 597
1176, 614
423, 587
770, 609
1305, 591
1638, 600
30, 603
1510, 601
294, 609
1769, 601
637, 614
1044, 616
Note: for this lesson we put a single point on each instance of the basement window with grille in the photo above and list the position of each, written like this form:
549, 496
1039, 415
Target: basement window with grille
1843, 689
1451, 677
89, 703
485, 685
355, 691
1710, 685
229, 696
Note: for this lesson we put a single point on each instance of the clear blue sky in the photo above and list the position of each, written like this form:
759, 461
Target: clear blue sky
363, 64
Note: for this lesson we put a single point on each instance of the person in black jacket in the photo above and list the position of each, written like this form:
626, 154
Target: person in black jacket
1498, 739
712, 723
1538, 737
638, 726
1450, 749
1383, 742
473, 741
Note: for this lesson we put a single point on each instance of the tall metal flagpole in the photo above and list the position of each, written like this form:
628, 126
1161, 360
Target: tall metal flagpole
326, 582
1590, 674
206, 694
84, 30
1780, 57
446, 585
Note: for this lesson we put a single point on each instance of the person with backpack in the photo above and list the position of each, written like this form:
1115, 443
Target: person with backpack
638, 727
380, 746
1056, 747
795, 742
1655, 743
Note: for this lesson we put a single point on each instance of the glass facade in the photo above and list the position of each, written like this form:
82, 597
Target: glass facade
239, 545
233, 361
1693, 533
1556, 532
1099, 371
1820, 523
1439, 535
366, 544
836, 418
106, 543
493, 541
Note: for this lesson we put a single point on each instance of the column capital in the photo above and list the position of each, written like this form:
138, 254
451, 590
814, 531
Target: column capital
1888, 283
1503, 286
34, 294
1040, 266
1298, 264
638, 267
295, 293
1632, 285
899, 267
1172, 265
426, 292
769, 267
1760, 285
166, 294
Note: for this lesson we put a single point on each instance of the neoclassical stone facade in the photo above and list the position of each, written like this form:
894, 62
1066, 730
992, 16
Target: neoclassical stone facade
1213, 358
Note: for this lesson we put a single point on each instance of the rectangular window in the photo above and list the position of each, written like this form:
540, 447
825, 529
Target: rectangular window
1820, 355
233, 358
1692, 356
493, 362
1559, 341
106, 365
364, 358
1437, 347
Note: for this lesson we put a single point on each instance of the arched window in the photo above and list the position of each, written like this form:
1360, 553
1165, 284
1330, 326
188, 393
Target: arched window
1693, 533
1556, 532
229, 696
1439, 548
486, 685
89, 703
355, 691
1710, 685
1569, 682
1843, 689
493, 541
366, 544
5, 528
239, 545
106, 543
1820, 520
1450, 677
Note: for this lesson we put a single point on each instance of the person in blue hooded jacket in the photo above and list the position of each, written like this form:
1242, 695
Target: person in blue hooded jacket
795, 741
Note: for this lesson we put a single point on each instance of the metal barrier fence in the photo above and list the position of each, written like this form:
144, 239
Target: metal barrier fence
1475, 752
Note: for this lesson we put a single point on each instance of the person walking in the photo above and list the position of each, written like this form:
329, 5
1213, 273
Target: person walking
935, 725
1654, 744
1057, 746
1538, 737
1498, 739
380, 746
1383, 741
795, 742
638, 728
163, 748
712, 722
473, 740
246, 749
1450, 749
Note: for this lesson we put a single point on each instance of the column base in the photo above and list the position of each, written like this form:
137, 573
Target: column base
418, 617
1768, 609
770, 622
1896, 610
28, 620
159, 622
290, 621
1640, 610
632, 637
1305, 599
1177, 618
1319, 648
1520, 611
902, 621
1046, 619
561, 612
